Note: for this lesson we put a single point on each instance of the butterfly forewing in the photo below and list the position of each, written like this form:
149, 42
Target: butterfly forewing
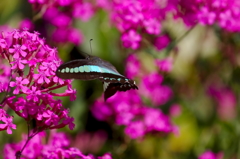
87, 69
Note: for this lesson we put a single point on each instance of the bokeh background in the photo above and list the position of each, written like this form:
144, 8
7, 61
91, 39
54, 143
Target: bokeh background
202, 73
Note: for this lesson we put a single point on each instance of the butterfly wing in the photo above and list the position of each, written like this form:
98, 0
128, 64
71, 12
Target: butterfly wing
96, 68
111, 88
87, 69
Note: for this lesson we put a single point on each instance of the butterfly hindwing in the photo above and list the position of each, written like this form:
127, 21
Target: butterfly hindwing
111, 88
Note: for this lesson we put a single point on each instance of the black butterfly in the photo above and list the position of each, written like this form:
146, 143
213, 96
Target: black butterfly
92, 68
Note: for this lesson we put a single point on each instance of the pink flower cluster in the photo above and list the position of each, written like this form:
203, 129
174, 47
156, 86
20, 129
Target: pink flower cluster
151, 83
151, 87
127, 108
61, 14
30, 80
132, 18
135, 18
57, 145
225, 13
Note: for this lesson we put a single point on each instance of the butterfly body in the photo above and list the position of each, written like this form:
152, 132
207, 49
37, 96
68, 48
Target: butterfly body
95, 68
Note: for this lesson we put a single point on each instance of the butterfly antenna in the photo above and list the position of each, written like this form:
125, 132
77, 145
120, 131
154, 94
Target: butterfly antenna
90, 45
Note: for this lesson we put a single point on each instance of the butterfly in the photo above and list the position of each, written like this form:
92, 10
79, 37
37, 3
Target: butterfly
92, 68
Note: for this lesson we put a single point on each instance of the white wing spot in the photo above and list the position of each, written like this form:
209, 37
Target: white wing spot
105, 85
76, 70
67, 69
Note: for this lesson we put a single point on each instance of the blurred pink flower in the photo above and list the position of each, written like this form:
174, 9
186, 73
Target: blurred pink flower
63, 35
84, 11
105, 156
223, 13
75, 36
162, 42
90, 142
26, 23
133, 66
151, 87
131, 39
210, 155
135, 129
61, 20
226, 101
175, 110
139, 16
206, 17
207, 155
152, 26
165, 65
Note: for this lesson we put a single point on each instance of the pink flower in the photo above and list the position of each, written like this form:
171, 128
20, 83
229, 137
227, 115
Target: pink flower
175, 110
135, 129
83, 11
152, 26
72, 93
156, 121
133, 66
131, 39
75, 36
70, 122
2, 113
64, 2
33, 94
19, 84
90, 141
106, 156
61, 21
103, 113
41, 77
162, 42
48, 67
18, 64
226, 100
26, 23
51, 118
51, 13
206, 17
210, 155
165, 65
8, 124
105, 4
18, 50
151, 88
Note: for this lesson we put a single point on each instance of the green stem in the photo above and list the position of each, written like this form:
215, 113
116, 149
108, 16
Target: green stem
174, 43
